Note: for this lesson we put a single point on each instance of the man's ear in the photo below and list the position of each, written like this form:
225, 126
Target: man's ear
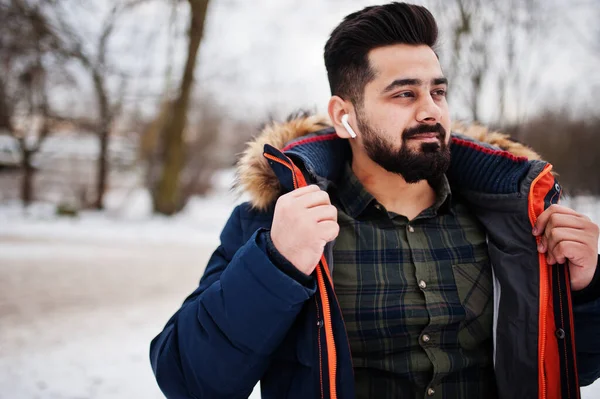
337, 108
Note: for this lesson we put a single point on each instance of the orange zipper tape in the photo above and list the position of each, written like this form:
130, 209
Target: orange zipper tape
536, 207
300, 181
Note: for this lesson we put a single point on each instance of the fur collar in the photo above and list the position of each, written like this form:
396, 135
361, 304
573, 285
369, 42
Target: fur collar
256, 178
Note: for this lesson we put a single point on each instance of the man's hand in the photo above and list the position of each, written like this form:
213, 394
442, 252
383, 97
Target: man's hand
568, 235
304, 221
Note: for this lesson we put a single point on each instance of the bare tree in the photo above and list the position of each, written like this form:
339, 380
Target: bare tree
29, 50
108, 103
167, 193
488, 44
202, 159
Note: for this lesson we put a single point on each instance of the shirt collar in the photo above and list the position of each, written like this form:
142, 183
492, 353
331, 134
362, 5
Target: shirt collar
352, 195
443, 196
355, 199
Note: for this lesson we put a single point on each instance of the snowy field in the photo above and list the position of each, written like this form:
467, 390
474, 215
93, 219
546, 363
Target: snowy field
80, 299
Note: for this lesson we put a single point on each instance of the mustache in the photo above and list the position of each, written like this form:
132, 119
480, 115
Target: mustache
422, 129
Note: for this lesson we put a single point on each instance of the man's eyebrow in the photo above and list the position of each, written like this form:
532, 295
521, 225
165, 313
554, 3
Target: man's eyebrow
413, 82
402, 82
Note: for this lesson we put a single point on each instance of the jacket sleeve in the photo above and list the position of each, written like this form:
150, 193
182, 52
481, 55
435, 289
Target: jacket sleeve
587, 333
219, 342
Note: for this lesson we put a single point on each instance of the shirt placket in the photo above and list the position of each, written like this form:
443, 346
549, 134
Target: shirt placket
426, 278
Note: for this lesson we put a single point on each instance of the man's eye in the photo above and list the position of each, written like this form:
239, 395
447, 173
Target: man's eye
404, 94
440, 92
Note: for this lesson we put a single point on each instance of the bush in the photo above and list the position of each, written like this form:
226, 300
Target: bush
571, 145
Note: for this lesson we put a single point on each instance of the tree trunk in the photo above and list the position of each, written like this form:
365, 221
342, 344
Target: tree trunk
102, 170
476, 96
105, 115
167, 195
27, 178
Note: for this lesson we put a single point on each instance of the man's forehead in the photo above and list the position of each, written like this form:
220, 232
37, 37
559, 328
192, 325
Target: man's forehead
404, 62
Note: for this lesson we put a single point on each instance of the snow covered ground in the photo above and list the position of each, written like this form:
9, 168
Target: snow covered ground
80, 299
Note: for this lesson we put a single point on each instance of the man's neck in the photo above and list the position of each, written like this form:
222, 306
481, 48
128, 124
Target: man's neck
391, 190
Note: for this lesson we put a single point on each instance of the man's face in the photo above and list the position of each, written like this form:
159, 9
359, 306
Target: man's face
403, 121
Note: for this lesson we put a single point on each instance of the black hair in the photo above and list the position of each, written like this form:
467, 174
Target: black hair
347, 49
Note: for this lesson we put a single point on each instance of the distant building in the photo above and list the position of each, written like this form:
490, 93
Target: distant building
10, 155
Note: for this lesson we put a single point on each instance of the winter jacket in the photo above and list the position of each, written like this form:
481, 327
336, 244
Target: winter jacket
249, 321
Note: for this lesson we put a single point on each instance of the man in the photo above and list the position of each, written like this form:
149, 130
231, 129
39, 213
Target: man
383, 257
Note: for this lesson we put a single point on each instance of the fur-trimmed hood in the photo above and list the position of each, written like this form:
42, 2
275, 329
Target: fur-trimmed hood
256, 178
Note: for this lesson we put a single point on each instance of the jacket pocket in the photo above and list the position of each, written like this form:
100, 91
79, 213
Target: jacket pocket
475, 291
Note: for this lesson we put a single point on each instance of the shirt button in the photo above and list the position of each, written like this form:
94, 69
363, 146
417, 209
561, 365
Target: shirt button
411, 229
430, 392
425, 338
422, 284
378, 207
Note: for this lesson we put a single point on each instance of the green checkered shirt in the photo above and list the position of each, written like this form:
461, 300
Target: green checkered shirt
416, 296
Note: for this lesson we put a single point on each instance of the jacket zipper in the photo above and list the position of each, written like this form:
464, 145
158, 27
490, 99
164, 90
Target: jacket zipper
299, 181
331, 350
543, 285
320, 352
544, 310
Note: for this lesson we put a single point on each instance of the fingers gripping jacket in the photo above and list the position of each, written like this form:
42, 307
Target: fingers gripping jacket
323, 276
557, 366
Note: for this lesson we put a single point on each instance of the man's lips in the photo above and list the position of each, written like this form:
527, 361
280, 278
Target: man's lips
425, 136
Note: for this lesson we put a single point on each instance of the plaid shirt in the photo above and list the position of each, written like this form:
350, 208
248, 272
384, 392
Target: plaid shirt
416, 296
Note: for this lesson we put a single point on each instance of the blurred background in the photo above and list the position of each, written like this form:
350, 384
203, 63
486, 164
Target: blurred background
121, 122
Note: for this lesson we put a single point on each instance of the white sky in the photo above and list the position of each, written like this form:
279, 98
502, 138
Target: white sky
266, 57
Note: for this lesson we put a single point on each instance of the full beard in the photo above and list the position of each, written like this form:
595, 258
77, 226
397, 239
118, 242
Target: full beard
427, 162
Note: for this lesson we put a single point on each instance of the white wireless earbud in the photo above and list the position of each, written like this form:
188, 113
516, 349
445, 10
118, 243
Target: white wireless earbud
347, 126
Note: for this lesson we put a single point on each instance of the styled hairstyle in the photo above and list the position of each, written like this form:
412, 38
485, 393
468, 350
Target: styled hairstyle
347, 49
